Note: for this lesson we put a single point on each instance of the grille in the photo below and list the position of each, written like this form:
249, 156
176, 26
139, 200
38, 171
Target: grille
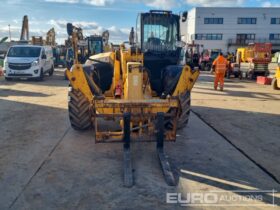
19, 66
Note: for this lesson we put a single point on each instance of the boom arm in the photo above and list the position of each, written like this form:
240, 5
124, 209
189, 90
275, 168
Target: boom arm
25, 29
76, 34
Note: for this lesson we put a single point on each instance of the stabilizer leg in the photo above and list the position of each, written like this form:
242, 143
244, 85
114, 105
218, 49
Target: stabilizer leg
166, 169
128, 176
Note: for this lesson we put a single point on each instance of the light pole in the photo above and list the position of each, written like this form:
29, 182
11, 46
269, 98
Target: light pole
10, 32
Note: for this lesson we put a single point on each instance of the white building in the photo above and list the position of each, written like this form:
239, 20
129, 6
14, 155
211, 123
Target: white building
230, 28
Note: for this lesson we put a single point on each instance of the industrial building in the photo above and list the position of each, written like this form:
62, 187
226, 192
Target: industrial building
229, 28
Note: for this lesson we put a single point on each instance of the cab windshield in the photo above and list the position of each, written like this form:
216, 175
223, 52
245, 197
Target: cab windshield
24, 52
160, 33
95, 47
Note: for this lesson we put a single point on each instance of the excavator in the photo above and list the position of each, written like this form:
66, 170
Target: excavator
140, 87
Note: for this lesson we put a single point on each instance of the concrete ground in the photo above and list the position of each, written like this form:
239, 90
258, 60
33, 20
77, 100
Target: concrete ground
44, 164
247, 114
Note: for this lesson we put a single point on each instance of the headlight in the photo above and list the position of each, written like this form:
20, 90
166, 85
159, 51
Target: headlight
35, 63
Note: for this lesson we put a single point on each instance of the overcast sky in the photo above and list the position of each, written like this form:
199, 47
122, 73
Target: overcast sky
95, 16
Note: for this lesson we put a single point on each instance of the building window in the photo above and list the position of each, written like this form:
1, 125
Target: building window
245, 38
274, 36
213, 20
275, 21
247, 21
208, 36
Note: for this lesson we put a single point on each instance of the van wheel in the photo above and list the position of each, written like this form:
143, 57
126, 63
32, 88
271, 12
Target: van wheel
41, 76
51, 71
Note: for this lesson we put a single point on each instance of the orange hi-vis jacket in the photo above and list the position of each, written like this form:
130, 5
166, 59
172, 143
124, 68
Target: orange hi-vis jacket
220, 64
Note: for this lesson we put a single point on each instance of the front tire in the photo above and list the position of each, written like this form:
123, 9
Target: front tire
79, 110
184, 113
41, 76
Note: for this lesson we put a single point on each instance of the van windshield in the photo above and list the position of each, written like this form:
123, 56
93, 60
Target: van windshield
24, 52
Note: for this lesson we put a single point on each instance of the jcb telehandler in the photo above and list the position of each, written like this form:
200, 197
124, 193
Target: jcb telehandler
140, 86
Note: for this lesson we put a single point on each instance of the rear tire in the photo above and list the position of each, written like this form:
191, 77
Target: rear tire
79, 112
274, 84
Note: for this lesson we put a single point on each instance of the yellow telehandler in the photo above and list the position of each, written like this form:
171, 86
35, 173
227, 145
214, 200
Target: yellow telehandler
140, 86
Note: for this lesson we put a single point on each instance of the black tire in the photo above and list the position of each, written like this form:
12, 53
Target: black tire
78, 109
184, 113
51, 71
185, 103
41, 76
8, 79
274, 84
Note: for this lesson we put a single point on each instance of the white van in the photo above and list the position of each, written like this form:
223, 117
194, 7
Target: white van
28, 61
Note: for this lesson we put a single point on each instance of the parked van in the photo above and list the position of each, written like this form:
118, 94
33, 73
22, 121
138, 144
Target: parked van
28, 61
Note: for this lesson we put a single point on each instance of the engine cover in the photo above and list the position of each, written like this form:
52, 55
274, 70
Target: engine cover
133, 88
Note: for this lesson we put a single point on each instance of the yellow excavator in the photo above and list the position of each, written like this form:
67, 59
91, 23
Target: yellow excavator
140, 86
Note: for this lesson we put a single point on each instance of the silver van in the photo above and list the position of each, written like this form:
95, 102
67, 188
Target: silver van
28, 61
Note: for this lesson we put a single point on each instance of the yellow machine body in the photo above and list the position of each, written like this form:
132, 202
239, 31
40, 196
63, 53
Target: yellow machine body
137, 96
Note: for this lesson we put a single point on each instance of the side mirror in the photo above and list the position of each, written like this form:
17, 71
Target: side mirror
184, 16
69, 29
44, 57
180, 44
